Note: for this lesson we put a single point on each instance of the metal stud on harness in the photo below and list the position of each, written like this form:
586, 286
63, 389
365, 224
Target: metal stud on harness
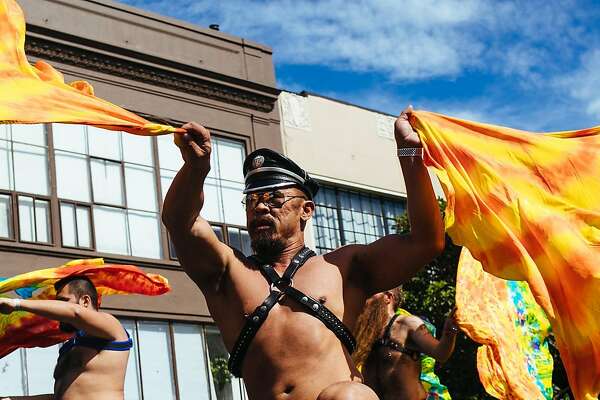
281, 286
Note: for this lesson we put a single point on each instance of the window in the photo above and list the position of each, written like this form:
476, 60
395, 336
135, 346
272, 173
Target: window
24, 169
156, 363
34, 220
6, 226
27, 169
190, 355
223, 188
345, 217
107, 190
75, 225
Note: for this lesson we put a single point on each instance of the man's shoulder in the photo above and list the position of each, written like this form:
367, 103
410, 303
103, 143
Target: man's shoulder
344, 254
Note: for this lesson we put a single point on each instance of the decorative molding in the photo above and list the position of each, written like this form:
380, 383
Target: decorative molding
385, 126
99, 62
294, 110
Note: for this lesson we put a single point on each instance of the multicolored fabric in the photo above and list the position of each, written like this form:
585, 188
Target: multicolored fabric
514, 361
429, 380
22, 329
37, 94
527, 206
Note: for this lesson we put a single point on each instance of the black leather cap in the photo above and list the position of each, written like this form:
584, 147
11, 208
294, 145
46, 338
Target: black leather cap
265, 170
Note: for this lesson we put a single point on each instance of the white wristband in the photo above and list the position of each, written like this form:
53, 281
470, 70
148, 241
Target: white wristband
16, 304
410, 152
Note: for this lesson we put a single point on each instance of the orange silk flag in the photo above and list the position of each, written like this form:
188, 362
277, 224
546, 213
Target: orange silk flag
21, 329
527, 206
38, 94
514, 360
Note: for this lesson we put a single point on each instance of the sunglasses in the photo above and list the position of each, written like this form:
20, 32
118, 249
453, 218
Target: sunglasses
274, 199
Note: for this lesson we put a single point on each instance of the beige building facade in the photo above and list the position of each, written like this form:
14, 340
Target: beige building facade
71, 192
352, 152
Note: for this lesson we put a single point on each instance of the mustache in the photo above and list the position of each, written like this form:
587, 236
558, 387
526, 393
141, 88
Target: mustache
261, 222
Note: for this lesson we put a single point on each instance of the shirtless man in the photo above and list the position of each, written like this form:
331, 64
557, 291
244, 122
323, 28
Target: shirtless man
293, 345
92, 364
390, 347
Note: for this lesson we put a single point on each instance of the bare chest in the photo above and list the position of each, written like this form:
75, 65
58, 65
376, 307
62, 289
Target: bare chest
248, 289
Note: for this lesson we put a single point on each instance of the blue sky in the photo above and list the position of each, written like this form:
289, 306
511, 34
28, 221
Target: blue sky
527, 64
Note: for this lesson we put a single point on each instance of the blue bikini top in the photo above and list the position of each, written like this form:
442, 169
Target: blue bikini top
98, 344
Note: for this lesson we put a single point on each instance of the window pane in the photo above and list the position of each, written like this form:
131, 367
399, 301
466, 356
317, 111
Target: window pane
67, 224
72, 176
144, 232
231, 158
84, 228
11, 374
166, 178
234, 238
42, 221
26, 219
110, 229
137, 149
232, 195
32, 134
104, 143
218, 356
5, 217
31, 168
155, 360
169, 155
246, 246
132, 376
192, 369
218, 231
107, 182
212, 210
240, 239
70, 137
6, 171
40, 364
4, 132
140, 187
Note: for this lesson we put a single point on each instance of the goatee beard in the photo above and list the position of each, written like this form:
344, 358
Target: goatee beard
267, 248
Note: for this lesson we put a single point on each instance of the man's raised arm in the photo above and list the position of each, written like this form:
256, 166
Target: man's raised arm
200, 252
394, 259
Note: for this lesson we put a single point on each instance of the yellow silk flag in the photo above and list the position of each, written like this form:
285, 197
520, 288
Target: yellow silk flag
38, 94
514, 360
527, 206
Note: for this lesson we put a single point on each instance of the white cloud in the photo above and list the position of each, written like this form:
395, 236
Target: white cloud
403, 40
583, 84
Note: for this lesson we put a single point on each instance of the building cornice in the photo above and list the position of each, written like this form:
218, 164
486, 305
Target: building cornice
100, 62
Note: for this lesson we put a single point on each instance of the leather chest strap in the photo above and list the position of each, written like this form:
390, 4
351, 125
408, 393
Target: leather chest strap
255, 320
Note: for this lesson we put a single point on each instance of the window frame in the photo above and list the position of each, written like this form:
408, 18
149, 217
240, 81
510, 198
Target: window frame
17, 218
56, 246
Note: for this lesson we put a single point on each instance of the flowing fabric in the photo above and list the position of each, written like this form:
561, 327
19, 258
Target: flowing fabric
514, 361
23, 329
430, 381
38, 94
527, 206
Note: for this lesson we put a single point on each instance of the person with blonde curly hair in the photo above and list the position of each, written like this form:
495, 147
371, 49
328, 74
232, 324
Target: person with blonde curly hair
390, 346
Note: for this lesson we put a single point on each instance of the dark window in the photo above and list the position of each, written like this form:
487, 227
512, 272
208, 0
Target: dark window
346, 217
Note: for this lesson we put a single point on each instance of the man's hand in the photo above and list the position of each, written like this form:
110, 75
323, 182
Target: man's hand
451, 325
195, 145
7, 305
403, 131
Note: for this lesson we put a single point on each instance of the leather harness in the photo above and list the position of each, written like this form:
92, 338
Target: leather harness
283, 286
387, 341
